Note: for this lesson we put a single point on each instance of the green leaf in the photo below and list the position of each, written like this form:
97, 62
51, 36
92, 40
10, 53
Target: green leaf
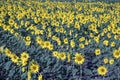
11, 72
24, 75
7, 65
87, 71
74, 71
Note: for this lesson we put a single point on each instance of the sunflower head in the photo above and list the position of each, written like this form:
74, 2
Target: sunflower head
62, 56
24, 56
102, 70
97, 52
14, 58
105, 60
79, 59
116, 54
34, 68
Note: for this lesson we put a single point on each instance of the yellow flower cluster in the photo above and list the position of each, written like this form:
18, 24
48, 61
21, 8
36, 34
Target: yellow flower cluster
44, 44
14, 58
39, 21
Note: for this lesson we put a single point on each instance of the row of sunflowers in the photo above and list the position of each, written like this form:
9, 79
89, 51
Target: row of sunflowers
59, 40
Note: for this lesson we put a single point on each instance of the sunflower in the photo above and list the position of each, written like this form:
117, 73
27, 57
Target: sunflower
47, 44
79, 59
116, 54
7, 52
91, 35
40, 77
116, 37
62, 56
50, 47
113, 44
97, 39
102, 70
22, 23
72, 43
5, 27
27, 38
34, 68
24, 56
24, 63
66, 40
55, 54
11, 22
105, 42
14, 58
42, 45
105, 60
82, 45
39, 40
97, 52
82, 39
27, 43
108, 35
111, 61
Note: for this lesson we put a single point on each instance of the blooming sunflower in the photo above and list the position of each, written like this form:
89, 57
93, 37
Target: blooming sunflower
62, 56
113, 44
24, 56
14, 58
111, 61
47, 44
34, 68
105, 42
79, 59
39, 40
72, 43
97, 52
11, 22
27, 38
24, 63
66, 40
102, 70
27, 43
82, 39
50, 47
116, 54
105, 60
7, 52
82, 45
55, 54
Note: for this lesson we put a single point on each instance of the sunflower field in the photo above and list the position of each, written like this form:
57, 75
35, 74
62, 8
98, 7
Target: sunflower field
59, 40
